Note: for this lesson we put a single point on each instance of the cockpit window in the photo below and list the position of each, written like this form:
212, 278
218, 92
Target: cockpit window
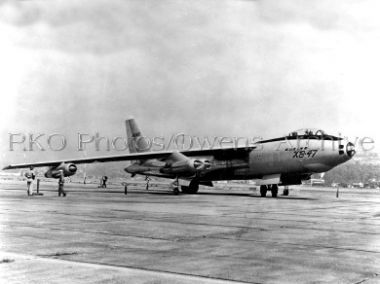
307, 132
311, 133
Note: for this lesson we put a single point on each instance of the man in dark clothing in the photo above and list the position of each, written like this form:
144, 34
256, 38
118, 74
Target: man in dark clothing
147, 179
104, 181
61, 183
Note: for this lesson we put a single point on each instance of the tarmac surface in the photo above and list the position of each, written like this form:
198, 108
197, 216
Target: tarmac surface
217, 236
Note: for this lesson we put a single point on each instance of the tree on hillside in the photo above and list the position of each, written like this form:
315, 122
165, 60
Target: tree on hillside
353, 172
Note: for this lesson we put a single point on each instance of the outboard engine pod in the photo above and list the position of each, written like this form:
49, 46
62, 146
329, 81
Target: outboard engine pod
67, 169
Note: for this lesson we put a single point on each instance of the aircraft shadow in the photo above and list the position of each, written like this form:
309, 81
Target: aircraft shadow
253, 195
250, 195
165, 192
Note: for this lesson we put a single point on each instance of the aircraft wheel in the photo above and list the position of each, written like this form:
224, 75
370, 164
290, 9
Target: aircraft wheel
263, 190
176, 191
285, 192
274, 190
192, 189
184, 189
193, 186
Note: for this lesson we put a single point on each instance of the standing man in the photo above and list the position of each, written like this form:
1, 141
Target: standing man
30, 176
104, 181
61, 183
147, 182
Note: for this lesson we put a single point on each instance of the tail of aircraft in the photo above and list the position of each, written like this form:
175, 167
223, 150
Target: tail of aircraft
136, 142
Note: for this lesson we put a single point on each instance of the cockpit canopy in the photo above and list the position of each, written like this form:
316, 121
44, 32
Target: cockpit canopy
307, 132
311, 133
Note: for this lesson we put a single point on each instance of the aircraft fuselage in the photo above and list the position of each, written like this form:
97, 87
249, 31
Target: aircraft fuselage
287, 159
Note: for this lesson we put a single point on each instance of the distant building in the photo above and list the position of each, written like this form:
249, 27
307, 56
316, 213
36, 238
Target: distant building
316, 182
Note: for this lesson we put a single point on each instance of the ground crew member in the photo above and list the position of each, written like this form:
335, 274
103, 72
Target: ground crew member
104, 181
61, 183
147, 182
30, 176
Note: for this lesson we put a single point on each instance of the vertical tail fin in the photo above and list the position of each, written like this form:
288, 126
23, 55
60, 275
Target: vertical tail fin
136, 142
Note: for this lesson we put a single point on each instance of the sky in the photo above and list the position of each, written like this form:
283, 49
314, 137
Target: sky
208, 68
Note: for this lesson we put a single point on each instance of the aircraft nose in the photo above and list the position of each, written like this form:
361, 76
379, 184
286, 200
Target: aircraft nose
350, 149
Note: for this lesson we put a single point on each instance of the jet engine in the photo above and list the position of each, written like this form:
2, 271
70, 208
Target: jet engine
189, 166
201, 165
68, 170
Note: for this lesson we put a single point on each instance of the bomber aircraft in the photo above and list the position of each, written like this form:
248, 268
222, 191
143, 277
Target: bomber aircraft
281, 161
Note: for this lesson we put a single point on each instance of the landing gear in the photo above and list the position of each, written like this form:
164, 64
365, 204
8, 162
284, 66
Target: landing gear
175, 185
286, 191
184, 189
147, 179
192, 188
263, 190
273, 188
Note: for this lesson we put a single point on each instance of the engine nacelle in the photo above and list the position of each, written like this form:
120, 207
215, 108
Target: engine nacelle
189, 166
55, 172
200, 165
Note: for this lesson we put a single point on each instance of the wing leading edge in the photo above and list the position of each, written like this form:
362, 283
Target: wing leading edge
162, 155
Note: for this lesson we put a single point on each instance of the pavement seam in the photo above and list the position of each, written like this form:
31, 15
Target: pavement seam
126, 268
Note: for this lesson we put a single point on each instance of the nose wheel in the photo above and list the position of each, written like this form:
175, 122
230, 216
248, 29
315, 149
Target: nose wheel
286, 191
263, 190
